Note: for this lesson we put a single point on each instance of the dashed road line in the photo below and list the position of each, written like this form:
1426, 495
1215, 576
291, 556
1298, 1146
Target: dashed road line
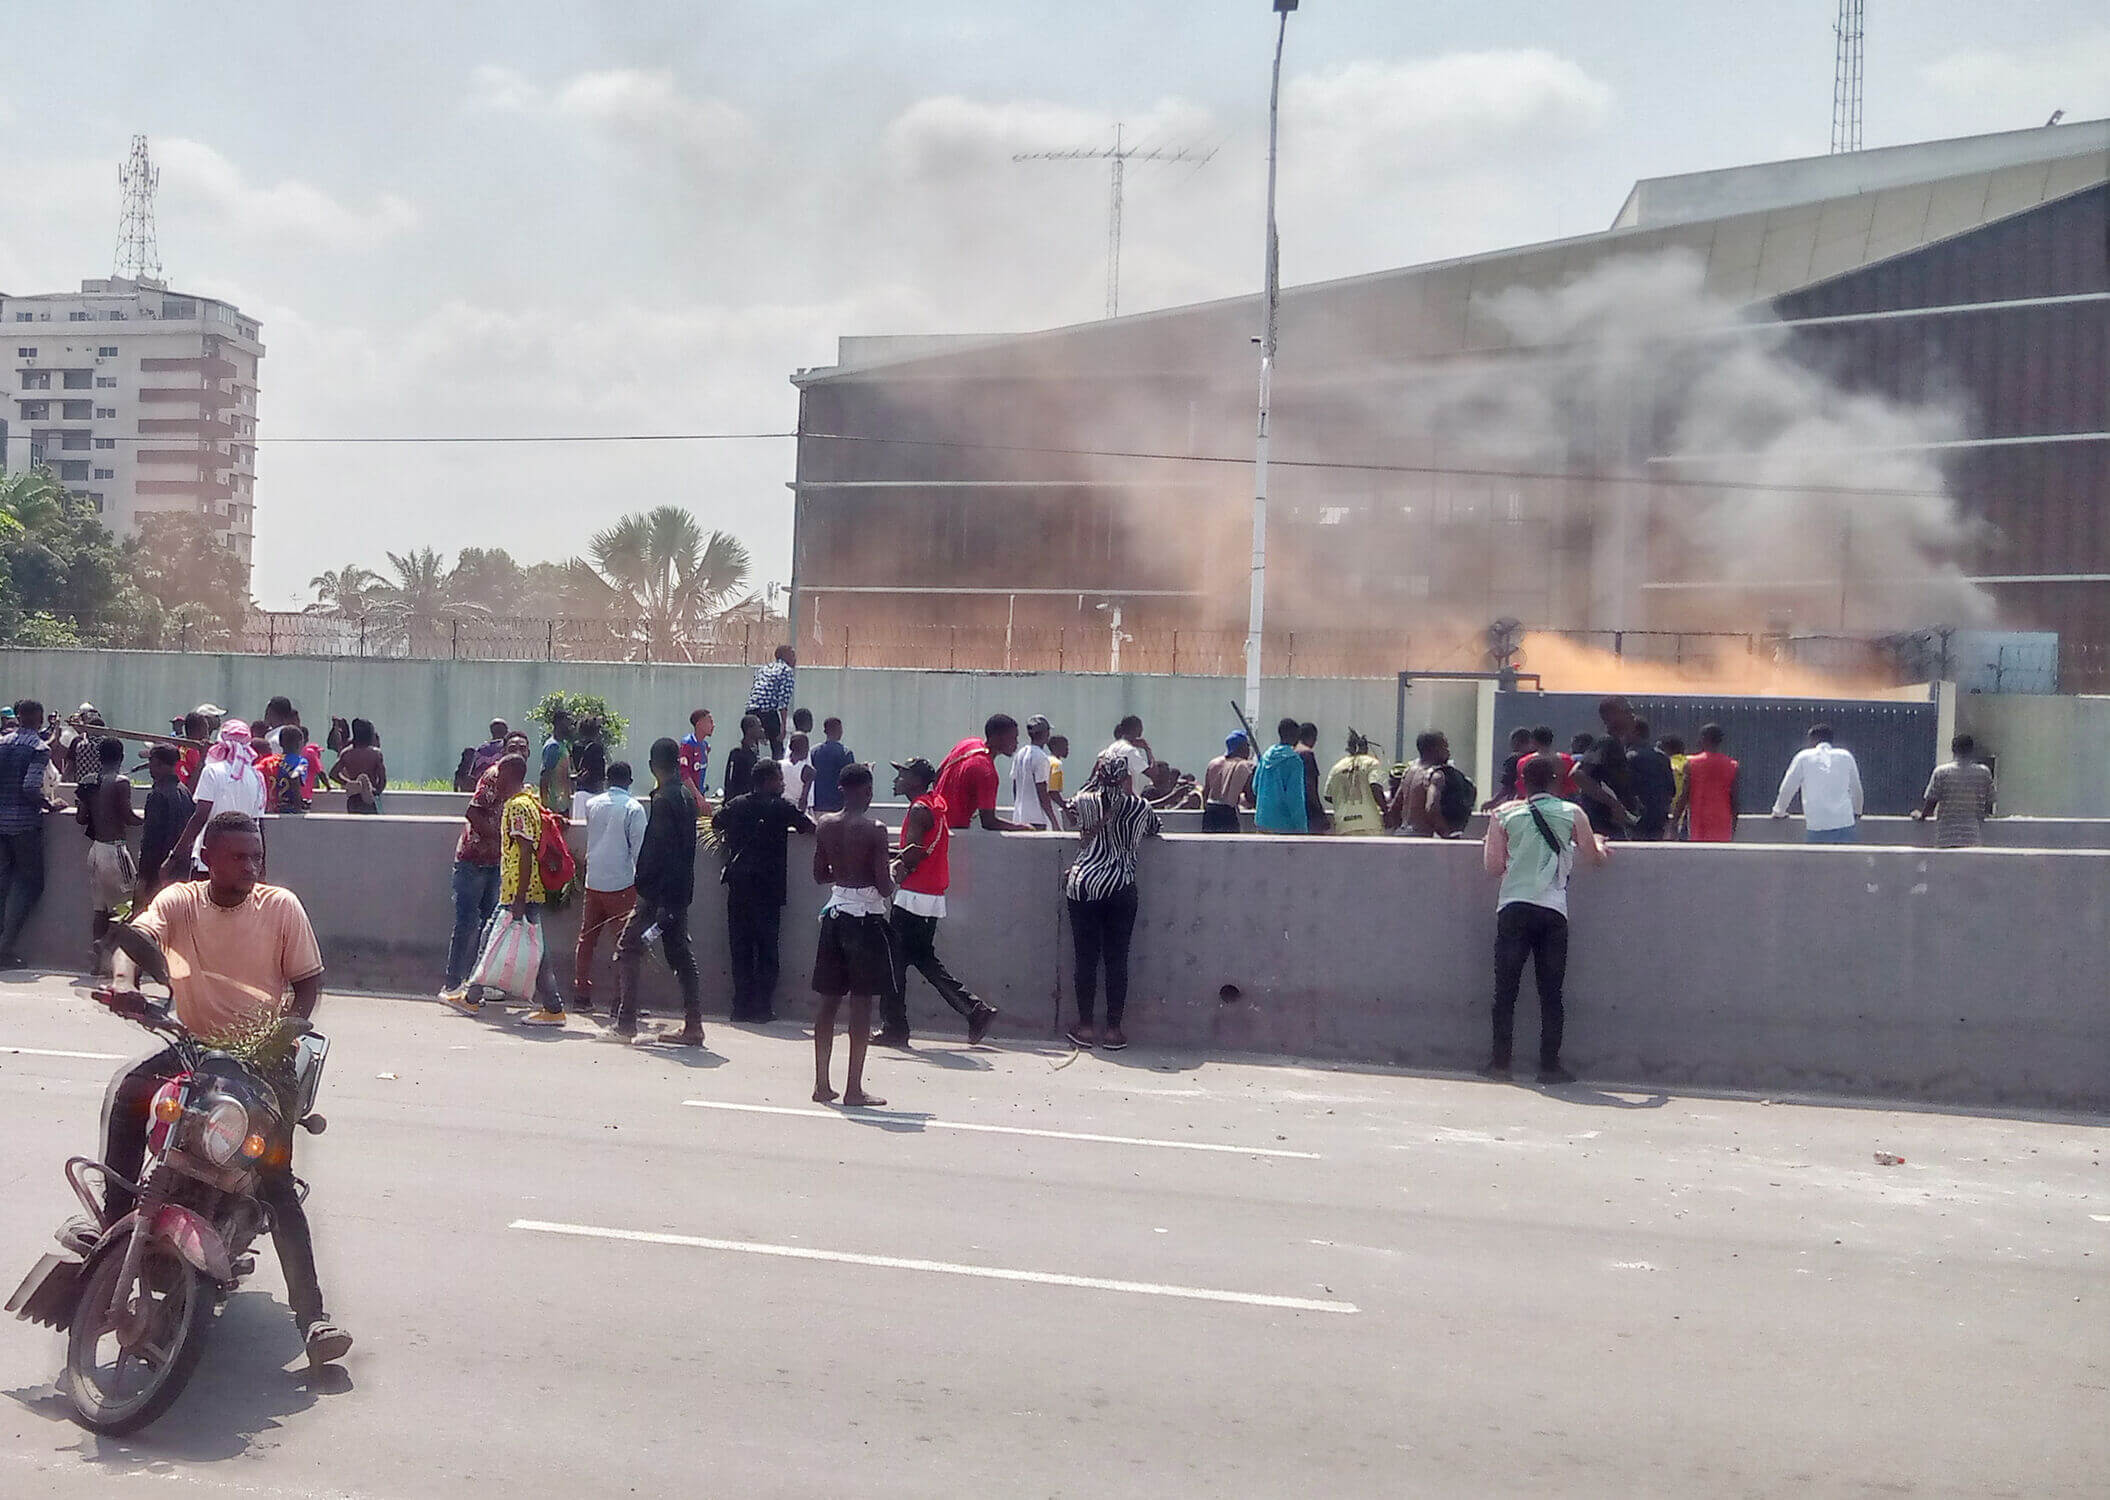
938, 1267
922, 1122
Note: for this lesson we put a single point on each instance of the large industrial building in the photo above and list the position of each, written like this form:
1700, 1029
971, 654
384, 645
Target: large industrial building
141, 399
1856, 394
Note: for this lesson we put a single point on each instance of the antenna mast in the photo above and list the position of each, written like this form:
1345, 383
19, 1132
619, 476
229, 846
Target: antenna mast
1118, 156
138, 254
1846, 78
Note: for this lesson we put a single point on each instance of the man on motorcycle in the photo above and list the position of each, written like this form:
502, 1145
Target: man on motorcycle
235, 946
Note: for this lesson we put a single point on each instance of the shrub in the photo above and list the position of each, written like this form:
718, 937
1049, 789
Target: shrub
581, 706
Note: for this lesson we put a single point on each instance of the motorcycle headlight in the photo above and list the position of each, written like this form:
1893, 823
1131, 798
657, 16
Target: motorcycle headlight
220, 1131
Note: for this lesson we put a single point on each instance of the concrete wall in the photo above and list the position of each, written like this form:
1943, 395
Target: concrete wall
428, 710
1967, 977
2053, 752
2002, 832
1889, 972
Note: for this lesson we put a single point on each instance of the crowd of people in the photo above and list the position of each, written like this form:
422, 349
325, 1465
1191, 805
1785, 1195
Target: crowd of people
212, 778
884, 917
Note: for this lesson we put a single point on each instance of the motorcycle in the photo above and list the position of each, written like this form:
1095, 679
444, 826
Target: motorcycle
136, 1297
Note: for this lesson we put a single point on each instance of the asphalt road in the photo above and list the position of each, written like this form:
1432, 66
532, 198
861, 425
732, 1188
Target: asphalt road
1360, 1284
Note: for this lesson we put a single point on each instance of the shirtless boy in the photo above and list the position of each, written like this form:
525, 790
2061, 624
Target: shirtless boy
105, 810
855, 958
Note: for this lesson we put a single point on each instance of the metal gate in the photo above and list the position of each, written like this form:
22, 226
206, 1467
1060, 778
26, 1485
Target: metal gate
1893, 743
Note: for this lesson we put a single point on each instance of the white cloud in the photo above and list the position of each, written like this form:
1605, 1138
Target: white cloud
501, 89
195, 177
641, 107
2029, 83
648, 107
1373, 123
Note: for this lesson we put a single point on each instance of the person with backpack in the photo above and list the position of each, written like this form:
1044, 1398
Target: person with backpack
1532, 844
291, 774
530, 872
1435, 798
1356, 790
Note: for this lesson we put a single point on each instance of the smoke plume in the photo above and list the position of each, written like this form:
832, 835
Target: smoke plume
1766, 493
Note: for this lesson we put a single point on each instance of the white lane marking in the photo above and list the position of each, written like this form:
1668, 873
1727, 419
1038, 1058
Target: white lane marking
1052, 1135
941, 1267
54, 1052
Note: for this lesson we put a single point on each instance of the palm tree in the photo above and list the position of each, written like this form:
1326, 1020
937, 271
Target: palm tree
344, 594
419, 600
659, 579
32, 499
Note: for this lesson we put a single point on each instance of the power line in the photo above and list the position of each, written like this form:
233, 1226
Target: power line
175, 440
1652, 481
1462, 471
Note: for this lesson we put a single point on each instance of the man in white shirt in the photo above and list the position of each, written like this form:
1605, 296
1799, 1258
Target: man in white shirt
615, 831
1033, 804
1830, 784
1130, 745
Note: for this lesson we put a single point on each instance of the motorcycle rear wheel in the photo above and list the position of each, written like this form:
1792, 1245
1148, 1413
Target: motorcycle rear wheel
123, 1372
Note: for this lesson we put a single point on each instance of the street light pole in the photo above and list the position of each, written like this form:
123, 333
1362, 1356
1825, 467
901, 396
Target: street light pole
1256, 606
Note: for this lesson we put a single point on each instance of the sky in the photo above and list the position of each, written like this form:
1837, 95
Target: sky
533, 218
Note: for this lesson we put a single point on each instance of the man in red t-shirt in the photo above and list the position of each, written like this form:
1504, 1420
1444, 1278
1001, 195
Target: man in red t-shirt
1708, 799
1564, 779
968, 783
922, 875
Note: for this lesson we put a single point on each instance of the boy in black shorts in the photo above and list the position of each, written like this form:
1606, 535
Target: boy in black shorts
855, 958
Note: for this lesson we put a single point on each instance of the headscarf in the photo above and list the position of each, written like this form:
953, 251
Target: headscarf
1110, 773
234, 750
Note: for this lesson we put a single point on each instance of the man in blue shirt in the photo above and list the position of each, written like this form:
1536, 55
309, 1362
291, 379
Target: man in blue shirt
776, 683
23, 756
1278, 785
829, 758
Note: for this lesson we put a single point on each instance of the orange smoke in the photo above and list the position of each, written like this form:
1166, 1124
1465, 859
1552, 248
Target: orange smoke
1569, 667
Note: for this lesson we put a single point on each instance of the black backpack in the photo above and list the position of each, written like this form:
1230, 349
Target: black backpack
1456, 797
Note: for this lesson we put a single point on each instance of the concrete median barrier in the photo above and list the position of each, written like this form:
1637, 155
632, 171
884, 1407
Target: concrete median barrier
1967, 977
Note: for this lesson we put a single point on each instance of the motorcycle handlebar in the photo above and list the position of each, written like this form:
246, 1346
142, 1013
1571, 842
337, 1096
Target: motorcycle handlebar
134, 1006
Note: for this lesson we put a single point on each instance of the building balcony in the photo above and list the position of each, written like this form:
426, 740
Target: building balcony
186, 426
205, 366
196, 489
204, 399
190, 458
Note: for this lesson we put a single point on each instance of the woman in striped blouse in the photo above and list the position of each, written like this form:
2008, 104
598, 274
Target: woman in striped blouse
1112, 822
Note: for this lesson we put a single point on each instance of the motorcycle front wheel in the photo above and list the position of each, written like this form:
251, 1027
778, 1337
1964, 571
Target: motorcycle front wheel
125, 1369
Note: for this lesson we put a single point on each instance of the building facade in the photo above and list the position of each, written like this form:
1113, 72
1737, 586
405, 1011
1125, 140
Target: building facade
1860, 394
141, 399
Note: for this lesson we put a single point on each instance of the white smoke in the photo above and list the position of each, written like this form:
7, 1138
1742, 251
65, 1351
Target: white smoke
1806, 501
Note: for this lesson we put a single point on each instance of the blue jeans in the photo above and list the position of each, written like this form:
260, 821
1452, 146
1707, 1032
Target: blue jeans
1829, 835
475, 898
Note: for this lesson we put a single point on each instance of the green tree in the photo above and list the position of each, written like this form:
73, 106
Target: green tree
346, 594
187, 577
487, 577
660, 581
31, 499
545, 591
59, 560
42, 630
418, 603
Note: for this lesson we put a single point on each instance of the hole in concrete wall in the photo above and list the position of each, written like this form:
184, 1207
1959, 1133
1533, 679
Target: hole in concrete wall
1230, 994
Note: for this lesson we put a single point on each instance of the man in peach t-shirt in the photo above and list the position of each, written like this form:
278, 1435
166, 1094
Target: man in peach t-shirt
236, 949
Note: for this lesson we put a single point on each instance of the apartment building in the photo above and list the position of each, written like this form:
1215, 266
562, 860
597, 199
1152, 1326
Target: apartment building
141, 399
